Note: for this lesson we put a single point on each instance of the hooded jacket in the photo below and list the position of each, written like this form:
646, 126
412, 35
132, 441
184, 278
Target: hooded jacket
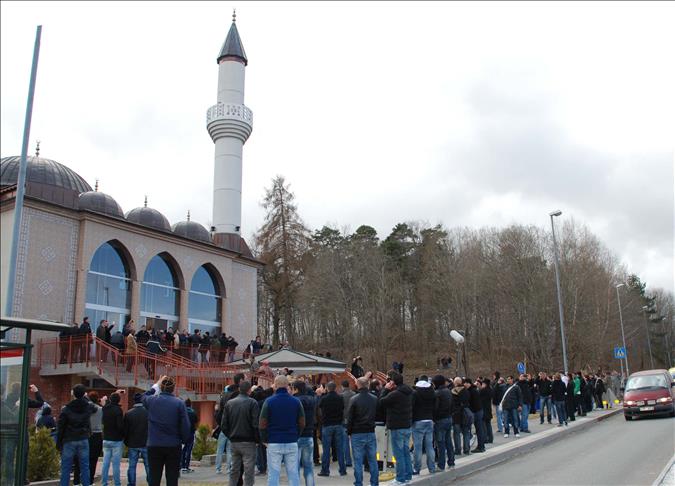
423, 404
460, 401
74, 421
397, 406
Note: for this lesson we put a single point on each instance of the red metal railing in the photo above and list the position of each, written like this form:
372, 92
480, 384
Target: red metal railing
133, 368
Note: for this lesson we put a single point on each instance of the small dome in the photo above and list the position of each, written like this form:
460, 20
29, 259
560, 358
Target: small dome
149, 217
100, 203
42, 171
192, 230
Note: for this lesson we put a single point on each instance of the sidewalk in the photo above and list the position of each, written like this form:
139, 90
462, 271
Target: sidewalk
501, 450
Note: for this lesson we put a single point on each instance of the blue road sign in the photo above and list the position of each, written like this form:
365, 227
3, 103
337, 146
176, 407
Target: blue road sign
520, 367
620, 352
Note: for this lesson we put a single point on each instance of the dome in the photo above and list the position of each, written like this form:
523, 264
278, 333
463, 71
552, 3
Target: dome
100, 203
45, 179
192, 230
149, 217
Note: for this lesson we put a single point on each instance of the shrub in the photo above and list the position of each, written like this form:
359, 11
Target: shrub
204, 443
43, 458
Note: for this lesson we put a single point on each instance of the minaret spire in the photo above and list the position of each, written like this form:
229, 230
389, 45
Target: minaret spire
37, 149
145, 203
96, 186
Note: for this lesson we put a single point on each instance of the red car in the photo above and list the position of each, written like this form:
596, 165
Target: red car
649, 392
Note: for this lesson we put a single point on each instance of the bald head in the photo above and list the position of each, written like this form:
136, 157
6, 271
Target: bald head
280, 381
362, 383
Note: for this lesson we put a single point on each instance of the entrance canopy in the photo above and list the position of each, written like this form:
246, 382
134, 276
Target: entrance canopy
301, 363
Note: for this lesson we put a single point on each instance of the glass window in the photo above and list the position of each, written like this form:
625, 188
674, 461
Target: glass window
204, 301
160, 272
647, 381
159, 292
109, 260
108, 291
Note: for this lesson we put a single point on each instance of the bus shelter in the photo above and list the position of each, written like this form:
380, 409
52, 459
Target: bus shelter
15, 361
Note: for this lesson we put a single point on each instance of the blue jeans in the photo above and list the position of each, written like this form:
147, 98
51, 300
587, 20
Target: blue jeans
443, 437
523, 417
112, 451
75, 450
346, 448
423, 438
306, 462
480, 428
545, 402
288, 453
222, 446
561, 411
511, 418
459, 432
400, 443
365, 445
328, 434
134, 454
186, 453
499, 413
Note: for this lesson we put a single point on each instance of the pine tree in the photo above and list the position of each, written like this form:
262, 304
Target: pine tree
43, 458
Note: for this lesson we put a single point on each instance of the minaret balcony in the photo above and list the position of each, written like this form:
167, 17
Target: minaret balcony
229, 120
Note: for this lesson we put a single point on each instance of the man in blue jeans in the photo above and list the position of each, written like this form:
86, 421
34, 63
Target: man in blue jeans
331, 408
423, 404
544, 386
511, 404
526, 391
361, 414
396, 403
136, 438
113, 438
306, 440
73, 435
443, 424
282, 418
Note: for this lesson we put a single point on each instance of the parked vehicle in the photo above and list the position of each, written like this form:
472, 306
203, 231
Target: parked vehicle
649, 392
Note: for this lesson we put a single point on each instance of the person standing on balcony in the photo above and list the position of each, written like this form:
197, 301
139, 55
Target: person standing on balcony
256, 346
136, 438
84, 333
131, 349
103, 336
113, 438
168, 428
231, 348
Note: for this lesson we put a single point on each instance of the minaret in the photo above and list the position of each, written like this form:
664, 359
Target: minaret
229, 123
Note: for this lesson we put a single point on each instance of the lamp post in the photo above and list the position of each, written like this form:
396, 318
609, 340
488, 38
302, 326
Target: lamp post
623, 336
649, 339
557, 283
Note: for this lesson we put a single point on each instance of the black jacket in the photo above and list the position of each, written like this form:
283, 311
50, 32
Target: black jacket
498, 393
232, 392
240, 420
309, 406
423, 404
443, 403
397, 406
361, 413
113, 422
569, 389
486, 402
460, 401
136, 426
380, 416
474, 399
526, 391
193, 419
599, 387
558, 391
513, 397
544, 387
74, 421
332, 407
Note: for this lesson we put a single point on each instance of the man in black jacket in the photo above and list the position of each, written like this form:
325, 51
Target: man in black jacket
499, 389
527, 399
306, 440
443, 423
485, 393
361, 427
240, 425
396, 401
113, 439
460, 419
423, 405
543, 385
558, 394
331, 407
136, 438
476, 408
224, 447
73, 435
512, 403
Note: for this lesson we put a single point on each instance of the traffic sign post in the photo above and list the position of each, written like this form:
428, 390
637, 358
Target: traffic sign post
520, 367
619, 352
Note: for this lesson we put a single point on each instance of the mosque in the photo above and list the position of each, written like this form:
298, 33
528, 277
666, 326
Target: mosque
79, 254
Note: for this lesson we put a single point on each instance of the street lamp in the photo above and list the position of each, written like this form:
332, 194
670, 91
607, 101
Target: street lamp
557, 283
649, 340
623, 336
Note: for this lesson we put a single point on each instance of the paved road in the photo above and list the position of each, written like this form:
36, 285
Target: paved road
613, 452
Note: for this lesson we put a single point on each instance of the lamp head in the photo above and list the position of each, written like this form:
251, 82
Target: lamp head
557, 212
620, 285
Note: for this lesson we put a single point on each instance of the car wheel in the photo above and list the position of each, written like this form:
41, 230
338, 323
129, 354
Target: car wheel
628, 418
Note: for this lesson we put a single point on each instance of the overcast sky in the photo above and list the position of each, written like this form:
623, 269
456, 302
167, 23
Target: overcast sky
466, 114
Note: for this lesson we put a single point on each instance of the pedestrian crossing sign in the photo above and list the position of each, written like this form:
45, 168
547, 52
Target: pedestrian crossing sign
620, 352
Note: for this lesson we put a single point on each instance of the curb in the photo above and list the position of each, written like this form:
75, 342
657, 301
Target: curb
662, 476
495, 456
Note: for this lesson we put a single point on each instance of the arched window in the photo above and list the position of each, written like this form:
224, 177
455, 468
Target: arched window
108, 287
204, 302
159, 294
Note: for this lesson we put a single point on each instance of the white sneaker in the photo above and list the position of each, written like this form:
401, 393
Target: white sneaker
517, 435
506, 436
